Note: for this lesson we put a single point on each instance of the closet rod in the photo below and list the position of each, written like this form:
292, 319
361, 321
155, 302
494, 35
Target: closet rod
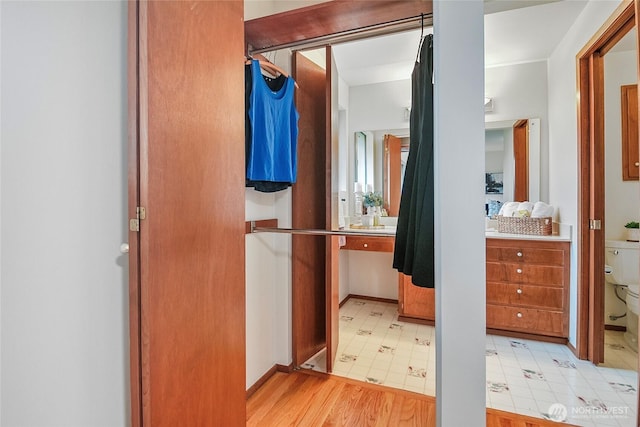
404, 24
315, 232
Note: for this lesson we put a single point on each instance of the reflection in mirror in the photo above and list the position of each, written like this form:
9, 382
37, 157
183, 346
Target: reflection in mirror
363, 154
396, 152
512, 155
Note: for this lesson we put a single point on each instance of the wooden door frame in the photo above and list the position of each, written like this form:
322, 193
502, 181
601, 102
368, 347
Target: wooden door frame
590, 81
133, 112
520, 131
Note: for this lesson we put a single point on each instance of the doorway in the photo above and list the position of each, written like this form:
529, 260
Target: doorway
591, 187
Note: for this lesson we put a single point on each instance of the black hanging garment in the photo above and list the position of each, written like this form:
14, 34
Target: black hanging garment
275, 84
414, 246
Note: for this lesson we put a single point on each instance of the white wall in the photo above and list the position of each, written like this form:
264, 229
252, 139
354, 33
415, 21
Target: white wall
268, 277
622, 201
459, 143
371, 274
563, 146
64, 305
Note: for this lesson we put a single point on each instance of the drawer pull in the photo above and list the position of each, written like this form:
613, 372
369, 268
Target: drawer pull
519, 254
519, 271
519, 291
519, 315
365, 245
637, 163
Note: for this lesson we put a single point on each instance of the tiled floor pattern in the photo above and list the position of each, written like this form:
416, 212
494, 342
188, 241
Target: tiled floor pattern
617, 353
523, 376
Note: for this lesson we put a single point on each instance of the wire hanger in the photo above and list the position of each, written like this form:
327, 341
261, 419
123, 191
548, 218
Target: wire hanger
269, 66
422, 37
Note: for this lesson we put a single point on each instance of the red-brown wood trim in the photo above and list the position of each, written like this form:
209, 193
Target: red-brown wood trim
392, 174
637, 19
611, 26
584, 150
618, 35
329, 18
573, 349
596, 256
416, 320
332, 272
135, 379
524, 335
627, 95
589, 133
287, 369
521, 159
271, 223
263, 379
368, 298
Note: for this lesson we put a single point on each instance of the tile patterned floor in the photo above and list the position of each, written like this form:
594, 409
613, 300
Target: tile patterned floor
617, 353
528, 377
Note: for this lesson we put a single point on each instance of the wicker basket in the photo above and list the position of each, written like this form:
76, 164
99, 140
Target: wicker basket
525, 225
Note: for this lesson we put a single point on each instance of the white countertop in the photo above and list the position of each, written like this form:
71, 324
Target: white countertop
388, 229
561, 233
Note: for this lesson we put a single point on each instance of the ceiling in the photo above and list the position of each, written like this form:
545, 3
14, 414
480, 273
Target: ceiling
522, 33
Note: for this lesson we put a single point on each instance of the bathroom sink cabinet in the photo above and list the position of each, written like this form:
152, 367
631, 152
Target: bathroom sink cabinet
528, 287
527, 290
527, 284
374, 244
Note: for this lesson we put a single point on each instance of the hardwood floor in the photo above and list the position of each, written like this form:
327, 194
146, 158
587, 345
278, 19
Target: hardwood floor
307, 398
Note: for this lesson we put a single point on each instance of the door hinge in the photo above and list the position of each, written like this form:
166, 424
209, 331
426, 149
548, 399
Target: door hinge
595, 224
134, 223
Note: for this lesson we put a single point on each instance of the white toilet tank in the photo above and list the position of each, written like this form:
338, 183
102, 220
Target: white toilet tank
624, 259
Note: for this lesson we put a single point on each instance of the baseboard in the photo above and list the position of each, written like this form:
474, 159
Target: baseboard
524, 335
615, 328
287, 369
366, 297
263, 379
416, 320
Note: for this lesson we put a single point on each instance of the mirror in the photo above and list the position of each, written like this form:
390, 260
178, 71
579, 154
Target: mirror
374, 100
363, 166
512, 161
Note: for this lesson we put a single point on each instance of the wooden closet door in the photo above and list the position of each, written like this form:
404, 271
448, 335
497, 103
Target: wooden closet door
309, 210
187, 132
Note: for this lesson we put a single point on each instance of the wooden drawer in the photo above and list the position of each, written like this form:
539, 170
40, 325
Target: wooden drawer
526, 255
529, 320
375, 244
525, 273
525, 295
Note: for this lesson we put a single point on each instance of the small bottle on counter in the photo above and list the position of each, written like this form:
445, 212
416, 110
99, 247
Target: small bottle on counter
357, 201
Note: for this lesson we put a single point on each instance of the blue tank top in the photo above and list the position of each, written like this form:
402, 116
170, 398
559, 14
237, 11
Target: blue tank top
274, 125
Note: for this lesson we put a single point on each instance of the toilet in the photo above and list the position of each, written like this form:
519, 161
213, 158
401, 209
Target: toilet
622, 267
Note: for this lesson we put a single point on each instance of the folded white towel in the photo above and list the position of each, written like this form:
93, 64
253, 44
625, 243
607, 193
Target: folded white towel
508, 208
542, 210
524, 209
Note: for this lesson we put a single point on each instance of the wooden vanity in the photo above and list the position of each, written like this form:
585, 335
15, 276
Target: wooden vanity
527, 280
